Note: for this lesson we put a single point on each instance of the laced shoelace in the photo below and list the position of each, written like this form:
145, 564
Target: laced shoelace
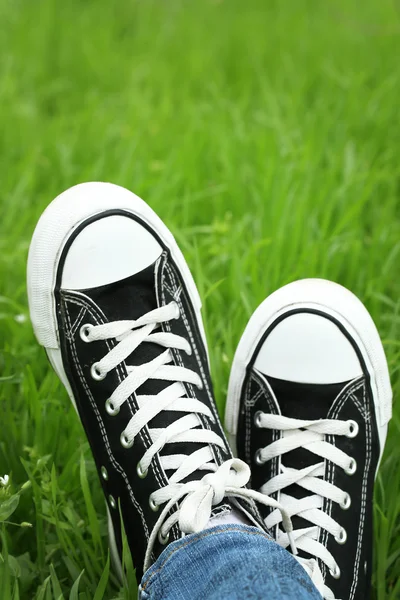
311, 435
194, 499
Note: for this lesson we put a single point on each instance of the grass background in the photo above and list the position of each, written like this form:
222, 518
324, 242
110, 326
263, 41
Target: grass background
266, 134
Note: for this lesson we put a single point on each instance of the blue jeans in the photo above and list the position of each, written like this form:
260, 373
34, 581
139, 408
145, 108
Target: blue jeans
227, 562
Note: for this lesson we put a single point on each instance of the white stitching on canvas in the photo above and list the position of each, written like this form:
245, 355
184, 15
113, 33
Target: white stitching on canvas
81, 376
363, 501
358, 384
176, 291
276, 461
71, 333
176, 295
144, 433
331, 469
249, 403
273, 410
363, 409
330, 473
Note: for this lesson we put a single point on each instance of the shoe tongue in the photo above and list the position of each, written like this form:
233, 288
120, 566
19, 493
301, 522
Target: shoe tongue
306, 401
129, 299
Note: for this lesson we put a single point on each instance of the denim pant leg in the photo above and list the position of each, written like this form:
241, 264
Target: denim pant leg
227, 562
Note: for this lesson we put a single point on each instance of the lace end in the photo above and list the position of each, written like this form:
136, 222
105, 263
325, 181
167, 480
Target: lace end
287, 524
292, 543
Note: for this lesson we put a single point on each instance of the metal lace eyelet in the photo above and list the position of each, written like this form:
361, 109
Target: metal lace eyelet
258, 458
352, 468
335, 573
104, 473
84, 333
257, 418
95, 372
125, 441
112, 502
342, 537
154, 507
163, 539
142, 474
345, 505
111, 409
353, 429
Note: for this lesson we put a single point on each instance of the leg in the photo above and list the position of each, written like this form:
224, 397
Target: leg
227, 562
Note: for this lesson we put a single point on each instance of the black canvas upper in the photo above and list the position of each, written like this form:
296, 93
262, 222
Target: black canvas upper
129, 299
343, 401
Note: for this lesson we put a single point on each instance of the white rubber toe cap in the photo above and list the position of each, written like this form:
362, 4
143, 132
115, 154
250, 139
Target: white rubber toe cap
107, 250
308, 348
53, 231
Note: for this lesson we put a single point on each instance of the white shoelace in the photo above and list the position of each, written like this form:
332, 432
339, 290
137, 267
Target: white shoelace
196, 497
310, 435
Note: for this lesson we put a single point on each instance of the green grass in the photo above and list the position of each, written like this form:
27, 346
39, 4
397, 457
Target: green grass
266, 134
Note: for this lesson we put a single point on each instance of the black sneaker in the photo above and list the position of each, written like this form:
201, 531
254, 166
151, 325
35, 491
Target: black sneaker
116, 308
308, 406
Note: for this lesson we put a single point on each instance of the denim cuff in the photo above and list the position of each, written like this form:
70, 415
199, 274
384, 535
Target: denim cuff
189, 541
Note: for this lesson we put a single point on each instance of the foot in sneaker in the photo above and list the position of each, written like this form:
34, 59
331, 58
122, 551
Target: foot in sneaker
115, 306
309, 401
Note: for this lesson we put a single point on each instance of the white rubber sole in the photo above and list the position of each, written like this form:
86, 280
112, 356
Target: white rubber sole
331, 299
55, 227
